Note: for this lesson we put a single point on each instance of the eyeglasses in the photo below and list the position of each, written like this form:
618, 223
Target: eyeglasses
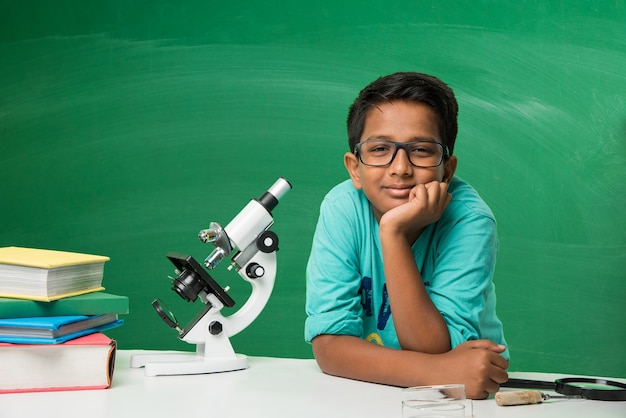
379, 153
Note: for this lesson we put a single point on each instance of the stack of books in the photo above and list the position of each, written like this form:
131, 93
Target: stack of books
53, 311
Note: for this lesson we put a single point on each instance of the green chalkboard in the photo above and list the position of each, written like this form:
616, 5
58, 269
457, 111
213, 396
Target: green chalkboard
128, 126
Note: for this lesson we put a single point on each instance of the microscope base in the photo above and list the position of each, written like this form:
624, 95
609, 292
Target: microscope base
181, 364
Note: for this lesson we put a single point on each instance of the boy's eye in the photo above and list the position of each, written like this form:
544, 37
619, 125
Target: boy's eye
379, 148
423, 149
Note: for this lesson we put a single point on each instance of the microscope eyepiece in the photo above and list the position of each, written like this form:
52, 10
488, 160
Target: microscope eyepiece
268, 201
270, 198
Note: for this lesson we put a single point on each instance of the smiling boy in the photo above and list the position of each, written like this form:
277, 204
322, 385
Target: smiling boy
399, 280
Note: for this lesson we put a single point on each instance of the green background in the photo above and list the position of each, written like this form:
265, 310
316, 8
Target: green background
128, 126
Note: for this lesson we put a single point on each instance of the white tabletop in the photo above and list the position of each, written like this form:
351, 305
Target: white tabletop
270, 387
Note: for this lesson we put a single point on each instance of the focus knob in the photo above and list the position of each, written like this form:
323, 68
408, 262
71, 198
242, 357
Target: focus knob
255, 270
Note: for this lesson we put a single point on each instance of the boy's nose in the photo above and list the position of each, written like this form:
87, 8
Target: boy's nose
401, 163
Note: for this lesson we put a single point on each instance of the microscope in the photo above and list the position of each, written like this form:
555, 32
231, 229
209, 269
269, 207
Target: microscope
251, 246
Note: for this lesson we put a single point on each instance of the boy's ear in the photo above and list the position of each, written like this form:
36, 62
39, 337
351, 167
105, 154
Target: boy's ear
352, 165
449, 168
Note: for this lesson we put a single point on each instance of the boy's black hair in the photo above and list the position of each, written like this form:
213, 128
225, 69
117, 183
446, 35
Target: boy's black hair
410, 87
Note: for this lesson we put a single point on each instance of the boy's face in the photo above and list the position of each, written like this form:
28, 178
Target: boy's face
389, 186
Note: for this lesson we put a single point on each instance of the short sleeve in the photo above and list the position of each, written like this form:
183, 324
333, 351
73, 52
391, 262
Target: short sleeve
333, 281
461, 285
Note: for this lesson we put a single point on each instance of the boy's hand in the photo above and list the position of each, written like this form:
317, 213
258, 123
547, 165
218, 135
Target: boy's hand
479, 365
425, 206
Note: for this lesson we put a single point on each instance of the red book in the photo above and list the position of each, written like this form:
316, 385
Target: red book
82, 363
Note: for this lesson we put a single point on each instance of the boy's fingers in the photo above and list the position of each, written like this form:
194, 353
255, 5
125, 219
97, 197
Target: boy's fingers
421, 194
487, 345
503, 364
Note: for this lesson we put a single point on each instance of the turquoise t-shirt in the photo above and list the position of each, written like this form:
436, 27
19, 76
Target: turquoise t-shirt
346, 292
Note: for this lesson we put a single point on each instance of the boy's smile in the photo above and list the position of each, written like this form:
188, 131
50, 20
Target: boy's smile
389, 186
399, 191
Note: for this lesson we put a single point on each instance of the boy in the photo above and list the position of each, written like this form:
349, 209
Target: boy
399, 280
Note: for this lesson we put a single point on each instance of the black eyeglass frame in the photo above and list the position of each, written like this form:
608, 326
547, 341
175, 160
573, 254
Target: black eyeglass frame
445, 152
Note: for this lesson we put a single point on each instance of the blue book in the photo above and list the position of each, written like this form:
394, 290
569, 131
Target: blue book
54, 329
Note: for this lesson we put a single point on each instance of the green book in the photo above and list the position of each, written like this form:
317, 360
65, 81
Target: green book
95, 303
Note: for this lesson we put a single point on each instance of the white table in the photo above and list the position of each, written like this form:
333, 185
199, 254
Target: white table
270, 387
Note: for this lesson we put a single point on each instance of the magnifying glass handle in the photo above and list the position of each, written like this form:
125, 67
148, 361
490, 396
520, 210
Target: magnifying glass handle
518, 397
526, 397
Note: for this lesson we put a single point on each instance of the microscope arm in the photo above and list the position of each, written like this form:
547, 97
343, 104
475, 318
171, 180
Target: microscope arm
233, 324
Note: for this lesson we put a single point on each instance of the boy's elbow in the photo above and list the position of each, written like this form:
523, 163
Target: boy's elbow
322, 351
334, 353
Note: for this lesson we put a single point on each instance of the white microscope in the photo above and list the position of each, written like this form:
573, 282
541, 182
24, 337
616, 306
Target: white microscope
253, 248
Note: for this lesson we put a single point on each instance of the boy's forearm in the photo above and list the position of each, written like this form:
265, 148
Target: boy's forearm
419, 325
355, 358
476, 364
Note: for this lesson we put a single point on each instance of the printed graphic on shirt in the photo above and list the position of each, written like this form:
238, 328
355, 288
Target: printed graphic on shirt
384, 311
374, 338
366, 295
